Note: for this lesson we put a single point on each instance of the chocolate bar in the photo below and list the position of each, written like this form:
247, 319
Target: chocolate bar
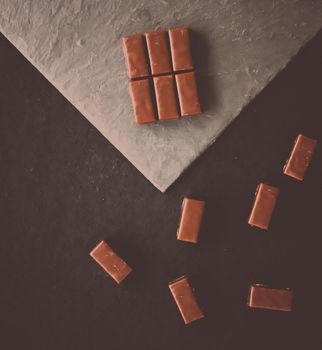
190, 221
159, 54
188, 94
300, 157
185, 299
135, 57
115, 266
142, 101
265, 200
166, 97
180, 49
261, 297
173, 100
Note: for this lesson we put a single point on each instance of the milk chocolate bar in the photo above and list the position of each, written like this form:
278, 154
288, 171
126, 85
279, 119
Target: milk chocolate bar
180, 49
142, 101
135, 57
166, 97
190, 221
167, 55
188, 94
265, 200
115, 266
261, 297
300, 157
159, 54
185, 299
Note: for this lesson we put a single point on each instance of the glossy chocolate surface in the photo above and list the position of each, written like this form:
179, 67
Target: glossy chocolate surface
135, 57
265, 200
180, 49
185, 299
115, 266
159, 54
166, 97
190, 221
300, 157
262, 297
188, 94
142, 101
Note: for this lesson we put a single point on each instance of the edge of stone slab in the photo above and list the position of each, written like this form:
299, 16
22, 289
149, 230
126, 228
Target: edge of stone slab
164, 187
310, 38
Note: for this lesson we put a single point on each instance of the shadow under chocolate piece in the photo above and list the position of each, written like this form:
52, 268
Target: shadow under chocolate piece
159, 54
166, 97
134, 52
185, 299
188, 94
265, 200
190, 221
300, 157
142, 101
180, 49
115, 266
261, 297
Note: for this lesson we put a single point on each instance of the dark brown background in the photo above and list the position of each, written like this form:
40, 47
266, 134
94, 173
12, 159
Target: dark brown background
64, 188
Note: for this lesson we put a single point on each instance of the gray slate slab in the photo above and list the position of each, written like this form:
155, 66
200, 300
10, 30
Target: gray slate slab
238, 47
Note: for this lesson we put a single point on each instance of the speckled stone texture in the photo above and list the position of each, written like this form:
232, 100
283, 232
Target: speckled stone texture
238, 48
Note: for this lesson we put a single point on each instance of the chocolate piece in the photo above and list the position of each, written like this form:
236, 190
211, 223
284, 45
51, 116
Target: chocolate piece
180, 49
300, 157
166, 97
159, 54
262, 297
142, 101
188, 94
115, 266
184, 297
135, 57
190, 221
265, 200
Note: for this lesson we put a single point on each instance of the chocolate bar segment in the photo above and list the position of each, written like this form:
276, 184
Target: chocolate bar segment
166, 97
159, 53
261, 297
115, 266
180, 49
185, 299
142, 101
265, 200
135, 56
188, 94
190, 221
300, 157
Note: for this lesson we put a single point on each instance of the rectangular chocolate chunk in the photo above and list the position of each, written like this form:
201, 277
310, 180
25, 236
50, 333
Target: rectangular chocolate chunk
262, 297
188, 94
159, 53
185, 299
115, 266
265, 200
180, 49
135, 56
190, 221
300, 157
166, 97
142, 101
